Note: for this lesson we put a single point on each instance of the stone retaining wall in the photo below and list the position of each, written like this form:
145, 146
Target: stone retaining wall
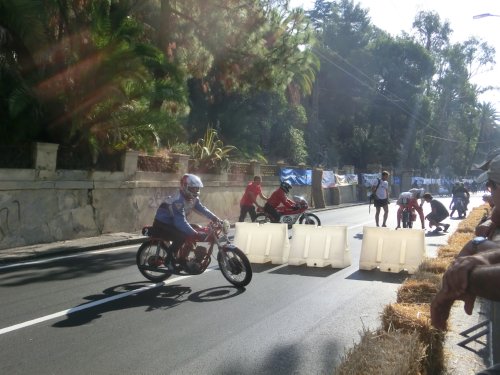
43, 204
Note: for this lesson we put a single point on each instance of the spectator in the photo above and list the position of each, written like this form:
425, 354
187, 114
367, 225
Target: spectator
249, 199
381, 191
476, 271
437, 215
490, 227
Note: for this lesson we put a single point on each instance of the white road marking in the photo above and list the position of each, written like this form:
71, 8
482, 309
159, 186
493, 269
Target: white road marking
59, 314
109, 299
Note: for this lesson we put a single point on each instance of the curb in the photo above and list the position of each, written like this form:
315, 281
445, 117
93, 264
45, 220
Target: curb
32, 252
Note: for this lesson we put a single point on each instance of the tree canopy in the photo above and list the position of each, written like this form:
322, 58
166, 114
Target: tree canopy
274, 83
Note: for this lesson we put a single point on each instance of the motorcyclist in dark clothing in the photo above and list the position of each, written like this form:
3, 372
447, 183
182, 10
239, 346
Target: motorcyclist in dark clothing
459, 191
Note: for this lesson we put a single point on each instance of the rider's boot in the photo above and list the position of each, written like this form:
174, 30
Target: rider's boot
169, 260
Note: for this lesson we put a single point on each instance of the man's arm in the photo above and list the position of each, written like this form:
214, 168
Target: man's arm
484, 282
466, 278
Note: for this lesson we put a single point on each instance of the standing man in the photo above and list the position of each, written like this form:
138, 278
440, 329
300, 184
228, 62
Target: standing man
438, 214
381, 191
249, 199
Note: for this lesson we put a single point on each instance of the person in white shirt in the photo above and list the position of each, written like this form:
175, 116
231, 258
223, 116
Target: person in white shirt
381, 191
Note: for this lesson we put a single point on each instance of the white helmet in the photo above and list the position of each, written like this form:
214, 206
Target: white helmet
190, 186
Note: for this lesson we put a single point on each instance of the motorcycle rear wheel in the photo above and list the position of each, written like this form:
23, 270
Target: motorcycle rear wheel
150, 264
262, 219
406, 219
235, 266
310, 219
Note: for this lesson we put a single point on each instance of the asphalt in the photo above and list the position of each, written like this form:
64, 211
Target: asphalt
460, 360
24, 253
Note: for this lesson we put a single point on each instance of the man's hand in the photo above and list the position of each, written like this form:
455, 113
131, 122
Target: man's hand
456, 277
442, 303
198, 237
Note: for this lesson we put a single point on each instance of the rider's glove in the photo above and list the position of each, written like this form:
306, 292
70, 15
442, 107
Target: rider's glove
198, 237
217, 220
296, 207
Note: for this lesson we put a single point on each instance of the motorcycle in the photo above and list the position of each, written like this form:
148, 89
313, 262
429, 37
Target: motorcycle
460, 207
290, 216
193, 258
408, 216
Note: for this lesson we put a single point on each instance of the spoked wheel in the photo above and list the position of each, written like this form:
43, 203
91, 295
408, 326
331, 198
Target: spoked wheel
406, 219
152, 264
262, 219
310, 219
235, 266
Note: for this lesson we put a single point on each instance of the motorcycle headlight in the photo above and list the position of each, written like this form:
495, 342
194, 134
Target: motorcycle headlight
225, 226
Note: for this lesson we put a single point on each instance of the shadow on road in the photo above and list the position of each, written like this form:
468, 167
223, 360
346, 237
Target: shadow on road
304, 270
162, 297
377, 275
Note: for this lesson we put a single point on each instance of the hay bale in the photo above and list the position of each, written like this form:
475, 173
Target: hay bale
448, 252
410, 318
435, 265
431, 277
458, 239
417, 291
384, 353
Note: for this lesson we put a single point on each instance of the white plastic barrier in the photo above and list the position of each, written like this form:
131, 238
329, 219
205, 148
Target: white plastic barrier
263, 243
392, 250
320, 246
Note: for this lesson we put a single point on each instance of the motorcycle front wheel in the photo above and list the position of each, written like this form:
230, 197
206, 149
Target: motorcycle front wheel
235, 266
310, 219
152, 264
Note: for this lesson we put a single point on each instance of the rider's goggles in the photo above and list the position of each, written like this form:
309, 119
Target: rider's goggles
194, 189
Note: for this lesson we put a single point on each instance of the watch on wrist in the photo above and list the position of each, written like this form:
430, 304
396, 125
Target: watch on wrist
477, 241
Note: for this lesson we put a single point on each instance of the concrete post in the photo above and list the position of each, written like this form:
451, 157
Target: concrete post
45, 155
254, 168
129, 163
317, 189
183, 161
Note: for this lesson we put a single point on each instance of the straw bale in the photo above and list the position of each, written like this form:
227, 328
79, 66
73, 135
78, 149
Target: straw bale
410, 318
384, 353
435, 265
417, 291
431, 277
458, 239
448, 251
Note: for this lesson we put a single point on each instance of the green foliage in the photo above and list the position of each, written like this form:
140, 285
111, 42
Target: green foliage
278, 84
210, 152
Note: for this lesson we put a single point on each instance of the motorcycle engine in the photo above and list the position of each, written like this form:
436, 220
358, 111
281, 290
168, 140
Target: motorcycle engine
287, 219
194, 263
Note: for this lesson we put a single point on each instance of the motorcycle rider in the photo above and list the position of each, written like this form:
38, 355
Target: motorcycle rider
277, 198
410, 199
459, 192
171, 217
